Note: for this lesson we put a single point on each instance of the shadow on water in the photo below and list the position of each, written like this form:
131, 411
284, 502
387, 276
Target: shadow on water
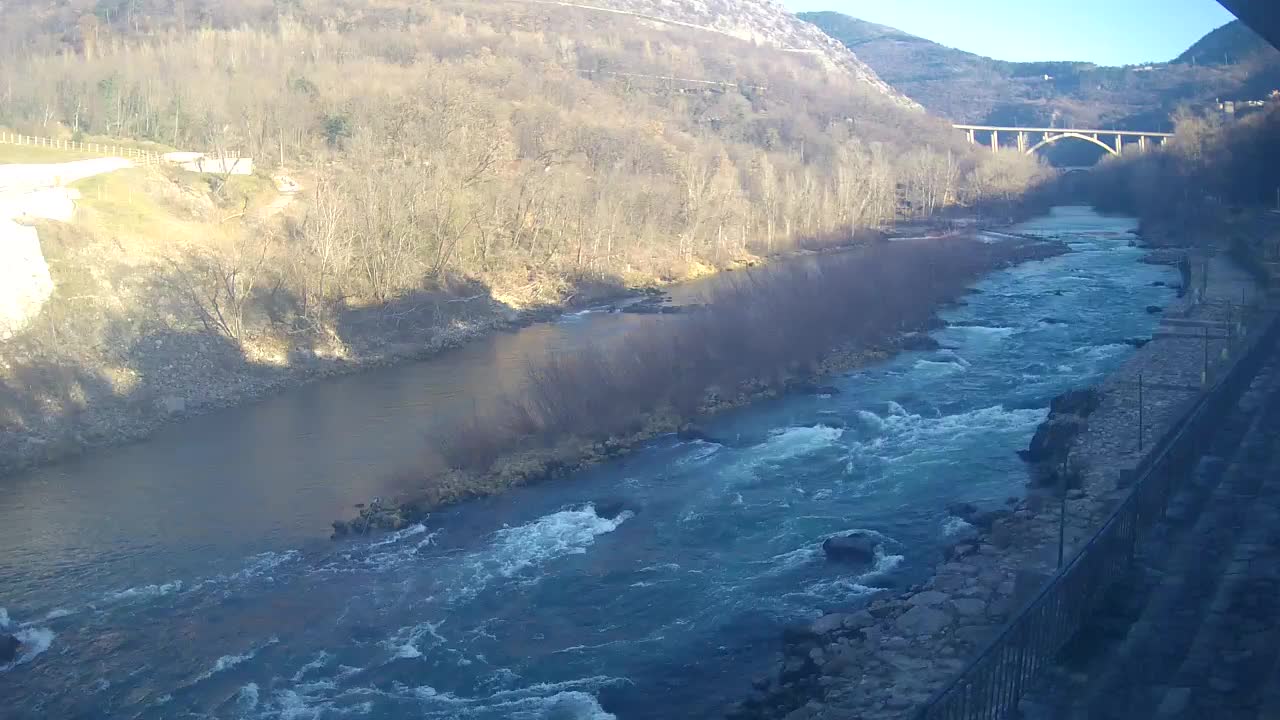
186, 574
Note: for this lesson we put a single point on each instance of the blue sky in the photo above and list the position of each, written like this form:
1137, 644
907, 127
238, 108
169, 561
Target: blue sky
1107, 32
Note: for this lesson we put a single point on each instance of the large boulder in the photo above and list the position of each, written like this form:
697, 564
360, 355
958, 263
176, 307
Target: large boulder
1052, 439
1076, 402
9, 646
610, 508
979, 519
859, 547
923, 620
690, 432
918, 341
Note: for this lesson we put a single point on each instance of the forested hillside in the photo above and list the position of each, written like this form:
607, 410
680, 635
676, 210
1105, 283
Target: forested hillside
500, 136
459, 159
1231, 63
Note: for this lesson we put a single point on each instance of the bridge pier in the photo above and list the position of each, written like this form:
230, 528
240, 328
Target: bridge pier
972, 140
1142, 143
995, 141
1022, 142
1119, 144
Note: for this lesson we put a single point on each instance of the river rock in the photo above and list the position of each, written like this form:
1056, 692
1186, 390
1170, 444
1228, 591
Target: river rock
1052, 321
956, 551
798, 634
828, 624
808, 387
979, 519
928, 598
1076, 402
975, 634
691, 432
1155, 309
172, 404
970, 607
859, 620
854, 547
9, 646
1001, 533
918, 341
1052, 439
923, 620
1137, 342
610, 508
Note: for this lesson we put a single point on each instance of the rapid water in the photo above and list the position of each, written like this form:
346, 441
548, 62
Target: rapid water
188, 576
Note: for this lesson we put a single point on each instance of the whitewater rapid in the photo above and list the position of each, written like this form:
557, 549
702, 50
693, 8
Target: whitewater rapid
539, 604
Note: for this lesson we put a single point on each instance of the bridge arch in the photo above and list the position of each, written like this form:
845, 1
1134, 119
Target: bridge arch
1087, 138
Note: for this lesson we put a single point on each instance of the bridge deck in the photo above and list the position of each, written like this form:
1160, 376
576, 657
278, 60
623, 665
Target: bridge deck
1125, 133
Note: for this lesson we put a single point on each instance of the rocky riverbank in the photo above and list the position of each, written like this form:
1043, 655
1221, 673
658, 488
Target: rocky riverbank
892, 655
183, 375
570, 454
163, 371
191, 374
573, 454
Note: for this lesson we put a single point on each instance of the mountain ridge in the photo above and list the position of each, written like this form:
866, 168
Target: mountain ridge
967, 87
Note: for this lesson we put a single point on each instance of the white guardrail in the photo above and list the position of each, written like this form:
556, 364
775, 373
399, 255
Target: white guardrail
141, 157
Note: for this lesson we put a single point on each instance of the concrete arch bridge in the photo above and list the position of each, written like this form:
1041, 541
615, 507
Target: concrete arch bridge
1031, 139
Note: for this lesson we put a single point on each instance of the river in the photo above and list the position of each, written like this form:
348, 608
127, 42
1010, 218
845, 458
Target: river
190, 575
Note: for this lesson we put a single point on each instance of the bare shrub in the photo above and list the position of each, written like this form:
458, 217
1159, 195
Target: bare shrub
767, 326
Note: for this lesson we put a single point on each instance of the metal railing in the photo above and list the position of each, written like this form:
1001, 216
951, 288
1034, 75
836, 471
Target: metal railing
143, 157
994, 681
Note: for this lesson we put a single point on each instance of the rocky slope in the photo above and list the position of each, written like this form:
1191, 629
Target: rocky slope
762, 22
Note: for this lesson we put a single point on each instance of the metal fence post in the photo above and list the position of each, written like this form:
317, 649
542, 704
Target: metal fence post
1205, 373
1140, 413
1062, 512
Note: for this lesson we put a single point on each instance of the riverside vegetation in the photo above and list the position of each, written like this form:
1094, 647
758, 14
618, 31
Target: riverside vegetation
1212, 172
759, 334
463, 162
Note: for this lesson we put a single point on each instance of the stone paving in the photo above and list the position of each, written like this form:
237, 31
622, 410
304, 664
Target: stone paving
1172, 370
1195, 635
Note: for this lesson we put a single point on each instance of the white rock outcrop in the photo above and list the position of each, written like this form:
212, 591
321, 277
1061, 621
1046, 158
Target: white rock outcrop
25, 283
34, 192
